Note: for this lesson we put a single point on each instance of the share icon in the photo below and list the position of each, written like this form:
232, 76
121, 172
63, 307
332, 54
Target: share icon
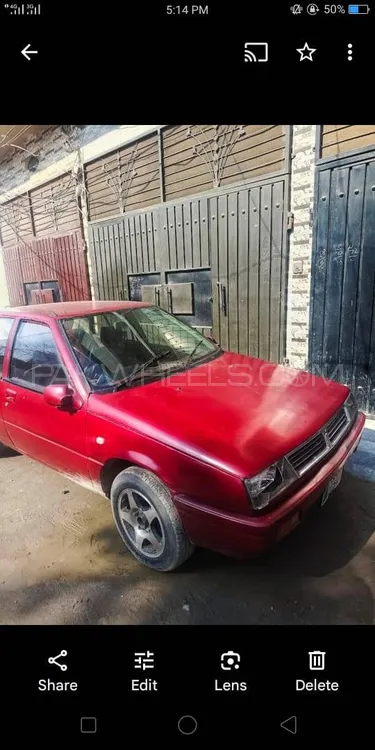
53, 660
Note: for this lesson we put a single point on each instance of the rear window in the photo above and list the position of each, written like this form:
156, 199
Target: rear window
5, 326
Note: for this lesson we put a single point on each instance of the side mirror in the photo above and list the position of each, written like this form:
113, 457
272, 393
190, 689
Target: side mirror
62, 397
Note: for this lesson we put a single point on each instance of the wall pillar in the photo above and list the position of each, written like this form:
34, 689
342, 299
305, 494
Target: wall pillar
4, 297
302, 197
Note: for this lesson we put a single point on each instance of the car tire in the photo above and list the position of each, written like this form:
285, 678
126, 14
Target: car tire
147, 520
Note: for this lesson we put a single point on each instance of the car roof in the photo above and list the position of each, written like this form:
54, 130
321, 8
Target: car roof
69, 309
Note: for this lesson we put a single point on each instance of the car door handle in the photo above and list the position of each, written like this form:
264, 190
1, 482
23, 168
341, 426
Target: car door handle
10, 396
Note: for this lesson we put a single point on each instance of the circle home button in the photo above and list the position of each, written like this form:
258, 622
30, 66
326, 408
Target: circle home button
187, 725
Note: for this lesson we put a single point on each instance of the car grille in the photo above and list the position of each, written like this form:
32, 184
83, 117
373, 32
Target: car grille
336, 426
309, 453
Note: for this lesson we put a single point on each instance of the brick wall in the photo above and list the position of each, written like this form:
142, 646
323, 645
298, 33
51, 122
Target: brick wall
302, 195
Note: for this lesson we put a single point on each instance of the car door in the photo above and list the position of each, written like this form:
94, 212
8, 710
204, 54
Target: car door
5, 326
36, 428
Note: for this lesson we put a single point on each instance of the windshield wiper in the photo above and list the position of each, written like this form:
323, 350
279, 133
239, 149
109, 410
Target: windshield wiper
141, 368
191, 355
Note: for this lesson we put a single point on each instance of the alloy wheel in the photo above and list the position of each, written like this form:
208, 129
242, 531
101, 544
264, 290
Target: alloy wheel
141, 523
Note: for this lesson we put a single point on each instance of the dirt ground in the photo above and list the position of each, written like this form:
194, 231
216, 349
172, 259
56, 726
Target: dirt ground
62, 562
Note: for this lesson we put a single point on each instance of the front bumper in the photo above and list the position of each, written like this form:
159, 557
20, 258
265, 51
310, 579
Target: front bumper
241, 536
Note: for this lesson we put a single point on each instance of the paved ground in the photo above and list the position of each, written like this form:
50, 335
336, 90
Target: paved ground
62, 561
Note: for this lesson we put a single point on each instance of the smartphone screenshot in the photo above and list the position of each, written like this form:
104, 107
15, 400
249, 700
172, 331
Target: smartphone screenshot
187, 372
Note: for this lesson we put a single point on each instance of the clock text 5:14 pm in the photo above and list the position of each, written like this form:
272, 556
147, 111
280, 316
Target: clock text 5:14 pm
187, 10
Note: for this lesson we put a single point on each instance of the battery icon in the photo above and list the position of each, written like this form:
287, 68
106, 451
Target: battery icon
356, 10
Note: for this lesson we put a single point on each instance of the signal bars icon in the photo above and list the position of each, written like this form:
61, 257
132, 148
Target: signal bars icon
256, 52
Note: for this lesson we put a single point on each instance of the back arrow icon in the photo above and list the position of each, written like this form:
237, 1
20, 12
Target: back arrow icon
290, 724
27, 51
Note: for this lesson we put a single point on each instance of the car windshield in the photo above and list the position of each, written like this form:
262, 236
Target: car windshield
117, 348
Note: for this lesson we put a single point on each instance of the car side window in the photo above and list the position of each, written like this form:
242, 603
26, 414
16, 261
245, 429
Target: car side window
35, 361
5, 326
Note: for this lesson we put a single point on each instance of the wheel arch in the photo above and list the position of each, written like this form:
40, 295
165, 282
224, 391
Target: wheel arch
113, 466
109, 472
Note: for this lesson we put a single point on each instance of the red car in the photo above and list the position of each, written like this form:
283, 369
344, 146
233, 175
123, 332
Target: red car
193, 445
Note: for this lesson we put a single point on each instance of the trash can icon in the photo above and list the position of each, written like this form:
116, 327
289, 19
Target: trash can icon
317, 660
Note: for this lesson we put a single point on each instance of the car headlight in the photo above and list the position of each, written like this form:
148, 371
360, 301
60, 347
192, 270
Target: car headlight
351, 407
264, 487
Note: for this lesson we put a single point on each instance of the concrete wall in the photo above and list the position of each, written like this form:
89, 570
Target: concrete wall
302, 197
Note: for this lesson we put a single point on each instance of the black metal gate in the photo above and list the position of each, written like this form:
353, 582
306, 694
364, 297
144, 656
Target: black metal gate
217, 260
248, 253
342, 318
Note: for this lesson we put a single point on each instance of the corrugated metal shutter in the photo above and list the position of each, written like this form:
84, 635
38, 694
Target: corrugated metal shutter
125, 180
54, 207
198, 158
184, 160
15, 220
51, 258
340, 139
46, 210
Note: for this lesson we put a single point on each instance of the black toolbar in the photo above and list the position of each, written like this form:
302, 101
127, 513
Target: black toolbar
164, 682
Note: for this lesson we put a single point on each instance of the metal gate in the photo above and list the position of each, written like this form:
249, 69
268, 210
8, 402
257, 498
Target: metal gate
226, 248
342, 322
248, 244
55, 262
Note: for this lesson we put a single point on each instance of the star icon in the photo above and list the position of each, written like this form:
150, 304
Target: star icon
306, 52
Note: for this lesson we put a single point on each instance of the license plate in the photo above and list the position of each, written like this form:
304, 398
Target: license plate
332, 484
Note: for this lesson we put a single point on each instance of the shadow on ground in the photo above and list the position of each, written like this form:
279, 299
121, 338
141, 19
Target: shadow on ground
8, 452
323, 573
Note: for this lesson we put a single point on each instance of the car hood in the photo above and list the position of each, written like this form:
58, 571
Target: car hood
236, 412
